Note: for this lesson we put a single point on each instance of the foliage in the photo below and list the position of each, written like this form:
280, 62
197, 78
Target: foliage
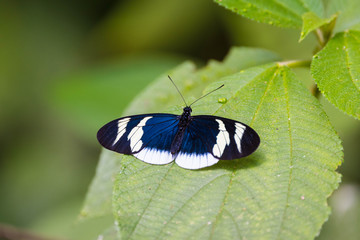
59, 87
99, 195
280, 191
336, 70
267, 196
280, 13
279, 188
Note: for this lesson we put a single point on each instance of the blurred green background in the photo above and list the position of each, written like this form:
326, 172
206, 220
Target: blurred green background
68, 67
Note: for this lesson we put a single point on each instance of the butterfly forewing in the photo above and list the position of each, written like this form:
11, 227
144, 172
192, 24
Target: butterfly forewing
148, 137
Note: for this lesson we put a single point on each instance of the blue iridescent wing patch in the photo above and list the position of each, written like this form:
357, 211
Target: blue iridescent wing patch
148, 137
209, 139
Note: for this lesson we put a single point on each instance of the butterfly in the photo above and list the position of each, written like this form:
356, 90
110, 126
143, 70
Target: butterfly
194, 142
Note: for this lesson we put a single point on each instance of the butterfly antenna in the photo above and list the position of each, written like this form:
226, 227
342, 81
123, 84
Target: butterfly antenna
178, 90
206, 94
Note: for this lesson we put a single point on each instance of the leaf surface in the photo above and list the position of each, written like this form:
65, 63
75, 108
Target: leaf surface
312, 22
279, 192
282, 13
336, 70
99, 196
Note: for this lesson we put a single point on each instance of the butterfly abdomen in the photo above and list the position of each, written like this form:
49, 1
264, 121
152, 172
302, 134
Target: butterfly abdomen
184, 122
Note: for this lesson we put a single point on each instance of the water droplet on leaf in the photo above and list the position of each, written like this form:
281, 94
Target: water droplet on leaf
222, 100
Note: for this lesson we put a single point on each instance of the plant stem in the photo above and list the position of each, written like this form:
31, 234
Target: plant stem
323, 38
11, 233
302, 63
295, 63
320, 36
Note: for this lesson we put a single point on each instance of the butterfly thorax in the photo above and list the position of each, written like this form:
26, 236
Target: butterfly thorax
184, 121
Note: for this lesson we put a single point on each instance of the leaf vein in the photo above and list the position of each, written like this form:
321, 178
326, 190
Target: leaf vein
222, 205
263, 97
239, 236
150, 200
233, 173
282, 221
188, 200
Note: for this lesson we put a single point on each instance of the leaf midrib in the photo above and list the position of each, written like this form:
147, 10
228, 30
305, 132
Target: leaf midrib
150, 200
282, 221
189, 199
233, 173
230, 180
222, 206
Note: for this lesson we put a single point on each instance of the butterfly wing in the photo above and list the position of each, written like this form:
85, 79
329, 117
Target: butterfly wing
148, 137
209, 139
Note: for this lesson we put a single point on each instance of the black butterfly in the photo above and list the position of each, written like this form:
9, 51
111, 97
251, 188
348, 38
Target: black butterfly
193, 141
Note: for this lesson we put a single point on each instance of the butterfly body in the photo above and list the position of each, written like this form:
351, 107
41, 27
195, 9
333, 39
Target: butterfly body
193, 141
184, 122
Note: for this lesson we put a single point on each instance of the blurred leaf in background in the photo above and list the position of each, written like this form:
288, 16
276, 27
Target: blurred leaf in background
345, 220
93, 96
39, 156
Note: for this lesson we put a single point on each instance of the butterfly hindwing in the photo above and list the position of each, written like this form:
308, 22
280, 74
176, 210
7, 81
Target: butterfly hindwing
148, 137
196, 148
209, 139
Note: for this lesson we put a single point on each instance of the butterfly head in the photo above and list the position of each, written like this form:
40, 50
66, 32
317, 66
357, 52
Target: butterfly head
187, 110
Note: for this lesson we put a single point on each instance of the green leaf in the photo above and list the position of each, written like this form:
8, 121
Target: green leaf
311, 22
279, 192
336, 70
279, 13
98, 199
348, 11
